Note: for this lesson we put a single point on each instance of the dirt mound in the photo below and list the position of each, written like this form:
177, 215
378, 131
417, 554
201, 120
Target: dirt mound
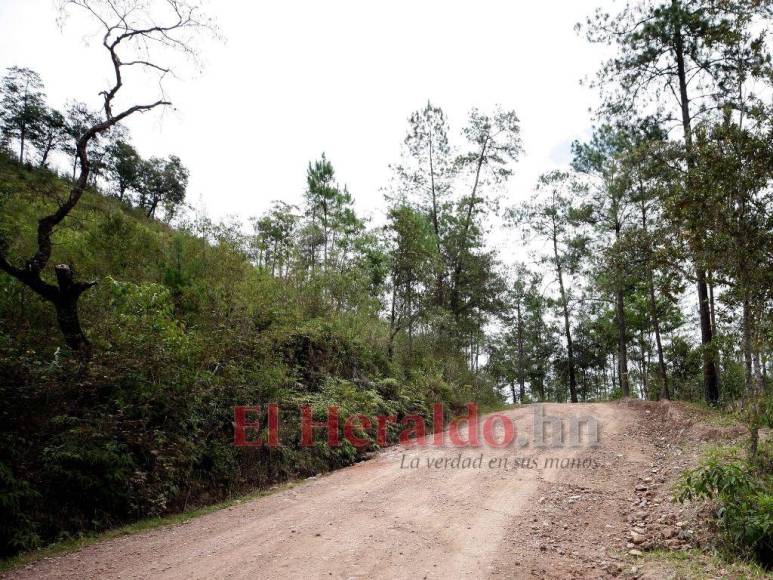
695, 424
678, 421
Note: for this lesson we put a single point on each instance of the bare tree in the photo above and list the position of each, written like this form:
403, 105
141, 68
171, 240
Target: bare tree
136, 34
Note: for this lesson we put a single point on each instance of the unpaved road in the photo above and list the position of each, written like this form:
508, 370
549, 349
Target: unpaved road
376, 519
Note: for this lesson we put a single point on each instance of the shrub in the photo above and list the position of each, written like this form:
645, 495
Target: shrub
744, 501
17, 530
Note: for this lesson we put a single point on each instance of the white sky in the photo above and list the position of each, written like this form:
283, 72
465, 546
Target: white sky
298, 77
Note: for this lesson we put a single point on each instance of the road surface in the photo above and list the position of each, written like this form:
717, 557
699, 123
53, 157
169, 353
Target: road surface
385, 519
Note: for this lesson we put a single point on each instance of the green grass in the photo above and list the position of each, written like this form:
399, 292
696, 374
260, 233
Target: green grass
75, 544
713, 416
724, 452
696, 564
487, 408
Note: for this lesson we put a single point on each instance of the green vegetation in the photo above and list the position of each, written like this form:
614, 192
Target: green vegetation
744, 498
695, 564
144, 525
145, 429
130, 326
738, 482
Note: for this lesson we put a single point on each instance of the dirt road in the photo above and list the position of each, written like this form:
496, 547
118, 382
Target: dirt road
384, 519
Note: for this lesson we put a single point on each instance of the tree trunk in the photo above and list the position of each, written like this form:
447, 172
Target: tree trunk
754, 438
391, 346
622, 354
760, 383
521, 355
23, 126
710, 280
665, 392
435, 222
325, 236
66, 306
455, 306
393, 327
540, 365
614, 370
567, 328
569, 346
273, 259
22, 138
152, 208
46, 152
622, 347
714, 329
644, 365
747, 344
69, 324
710, 379
410, 324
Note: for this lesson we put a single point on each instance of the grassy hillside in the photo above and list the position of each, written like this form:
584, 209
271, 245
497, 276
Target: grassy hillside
184, 327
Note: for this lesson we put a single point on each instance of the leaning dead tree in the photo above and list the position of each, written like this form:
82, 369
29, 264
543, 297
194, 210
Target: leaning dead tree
137, 34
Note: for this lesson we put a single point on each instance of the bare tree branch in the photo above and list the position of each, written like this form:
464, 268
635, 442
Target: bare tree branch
123, 21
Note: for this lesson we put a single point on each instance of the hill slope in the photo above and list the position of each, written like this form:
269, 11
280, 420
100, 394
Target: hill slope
184, 327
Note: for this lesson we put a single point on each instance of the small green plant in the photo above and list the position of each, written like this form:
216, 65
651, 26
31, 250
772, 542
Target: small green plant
744, 501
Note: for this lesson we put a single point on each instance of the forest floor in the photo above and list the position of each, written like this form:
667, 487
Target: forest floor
607, 514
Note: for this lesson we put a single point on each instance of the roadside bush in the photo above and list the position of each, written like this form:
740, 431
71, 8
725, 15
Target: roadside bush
744, 505
17, 528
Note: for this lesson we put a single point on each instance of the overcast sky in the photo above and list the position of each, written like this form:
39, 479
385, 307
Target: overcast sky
295, 78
